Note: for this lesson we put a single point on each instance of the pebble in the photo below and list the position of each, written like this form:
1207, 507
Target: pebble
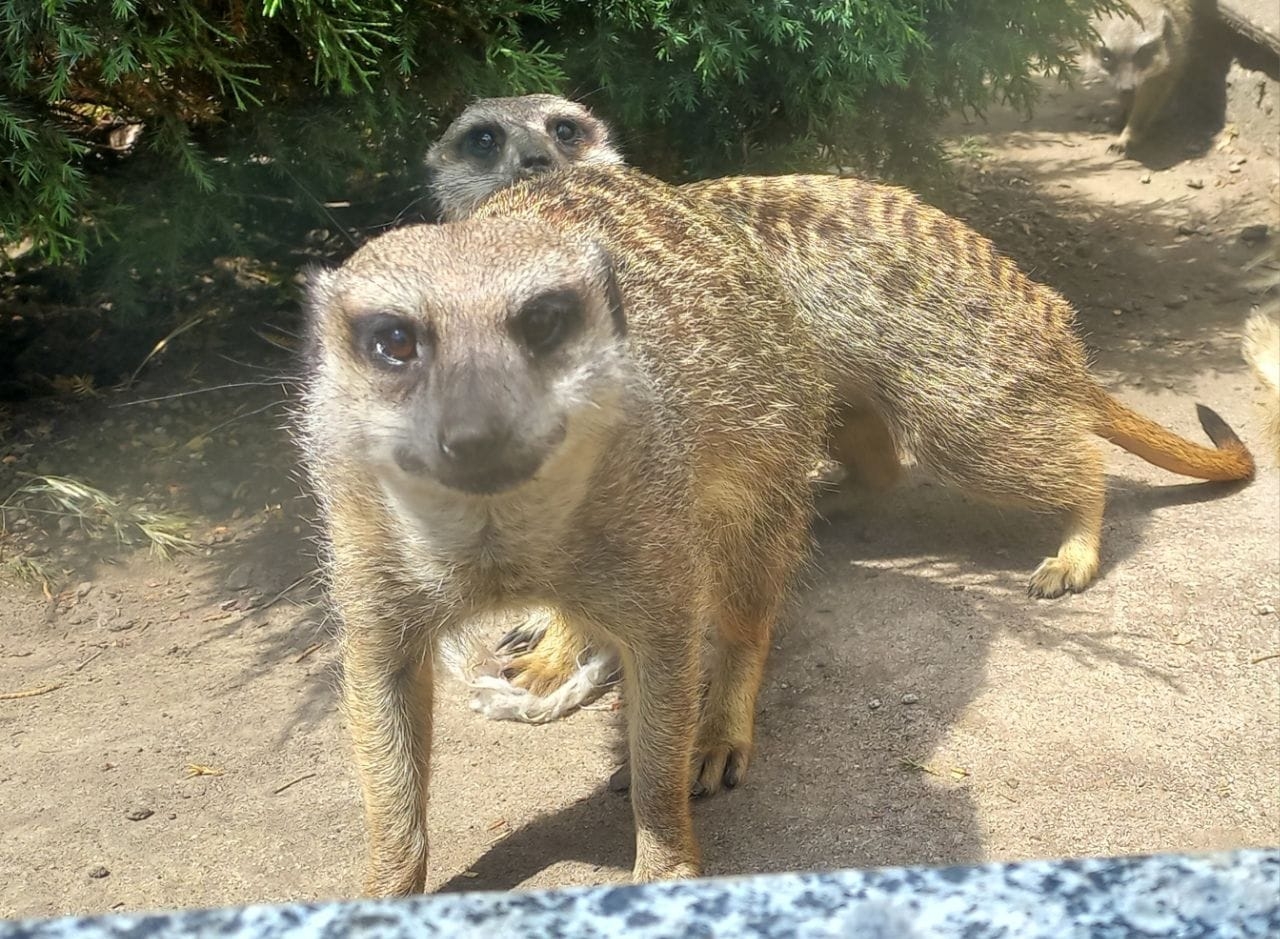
874, 704
1195, 183
910, 698
1251, 234
240, 577
83, 589
1265, 609
1175, 303
138, 814
97, 872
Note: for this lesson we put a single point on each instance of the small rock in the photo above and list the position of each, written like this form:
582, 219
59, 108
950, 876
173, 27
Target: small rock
172, 816
97, 872
1265, 609
874, 704
66, 524
958, 588
1195, 183
910, 698
138, 814
1145, 178
1175, 303
83, 589
1252, 234
1186, 228
240, 577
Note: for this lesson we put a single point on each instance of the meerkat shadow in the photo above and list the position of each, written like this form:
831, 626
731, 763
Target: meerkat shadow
597, 830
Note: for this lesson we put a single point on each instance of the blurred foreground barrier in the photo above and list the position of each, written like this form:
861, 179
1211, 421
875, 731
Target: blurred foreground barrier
1223, 896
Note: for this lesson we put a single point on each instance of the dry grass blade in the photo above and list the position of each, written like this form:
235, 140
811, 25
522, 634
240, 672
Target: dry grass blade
97, 512
29, 692
164, 344
953, 773
199, 769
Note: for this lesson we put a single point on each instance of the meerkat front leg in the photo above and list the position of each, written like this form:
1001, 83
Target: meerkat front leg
387, 698
662, 715
1148, 101
1076, 564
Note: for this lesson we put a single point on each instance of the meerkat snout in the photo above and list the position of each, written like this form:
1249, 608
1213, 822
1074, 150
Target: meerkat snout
471, 373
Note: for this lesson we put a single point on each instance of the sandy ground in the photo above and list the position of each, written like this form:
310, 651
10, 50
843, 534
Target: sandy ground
918, 707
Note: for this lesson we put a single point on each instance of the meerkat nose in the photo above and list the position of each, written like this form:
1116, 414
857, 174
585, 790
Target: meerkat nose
535, 161
473, 441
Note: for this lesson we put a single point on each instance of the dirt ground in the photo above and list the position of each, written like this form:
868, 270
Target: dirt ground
184, 748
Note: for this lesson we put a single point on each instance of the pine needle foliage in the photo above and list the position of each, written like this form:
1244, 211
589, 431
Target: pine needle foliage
141, 137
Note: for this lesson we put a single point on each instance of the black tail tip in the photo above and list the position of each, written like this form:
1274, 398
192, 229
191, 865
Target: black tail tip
1219, 431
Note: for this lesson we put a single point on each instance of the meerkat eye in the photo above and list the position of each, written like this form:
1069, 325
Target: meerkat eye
567, 131
483, 141
1105, 56
391, 340
545, 323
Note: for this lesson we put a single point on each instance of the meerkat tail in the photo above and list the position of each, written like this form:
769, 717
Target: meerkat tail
1161, 447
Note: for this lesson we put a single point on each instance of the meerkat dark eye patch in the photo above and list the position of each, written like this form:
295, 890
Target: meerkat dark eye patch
1145, 54
548, 321
567, 131
388, 340
483, 140
1105, 57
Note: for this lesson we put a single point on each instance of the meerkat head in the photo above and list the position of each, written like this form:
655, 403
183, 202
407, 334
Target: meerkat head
497, 141
1130, 50
475, 357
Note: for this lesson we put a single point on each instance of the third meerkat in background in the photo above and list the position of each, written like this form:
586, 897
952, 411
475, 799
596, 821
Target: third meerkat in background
1262, 350
936, 344
1144, 57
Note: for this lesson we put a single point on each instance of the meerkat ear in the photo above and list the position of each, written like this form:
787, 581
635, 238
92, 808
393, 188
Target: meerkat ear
605, 271
318, 282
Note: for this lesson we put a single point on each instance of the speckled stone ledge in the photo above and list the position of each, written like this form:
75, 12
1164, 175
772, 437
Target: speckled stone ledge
1224, 896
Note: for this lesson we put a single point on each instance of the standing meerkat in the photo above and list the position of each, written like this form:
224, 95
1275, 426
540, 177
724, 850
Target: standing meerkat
567, 405
1143, 57
936, 344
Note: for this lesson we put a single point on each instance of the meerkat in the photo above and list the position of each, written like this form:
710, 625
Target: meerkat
1143, 56
937, 345
1262, 351
500, 140
564, 404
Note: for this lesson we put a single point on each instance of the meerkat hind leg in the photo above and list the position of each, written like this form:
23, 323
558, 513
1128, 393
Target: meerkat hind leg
761, 557
861, 442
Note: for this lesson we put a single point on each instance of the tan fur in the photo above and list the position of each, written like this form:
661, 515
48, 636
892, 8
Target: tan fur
669, 499
938, 346
1143, 57
1262, 350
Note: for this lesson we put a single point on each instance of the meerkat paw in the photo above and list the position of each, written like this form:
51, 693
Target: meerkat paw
500, 699
1058, 575
648, 873
720, 766
716, 767
521, 639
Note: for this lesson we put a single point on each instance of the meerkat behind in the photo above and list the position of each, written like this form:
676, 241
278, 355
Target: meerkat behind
500, 140
565, 406
1144, 57
1262, 351
937, 345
